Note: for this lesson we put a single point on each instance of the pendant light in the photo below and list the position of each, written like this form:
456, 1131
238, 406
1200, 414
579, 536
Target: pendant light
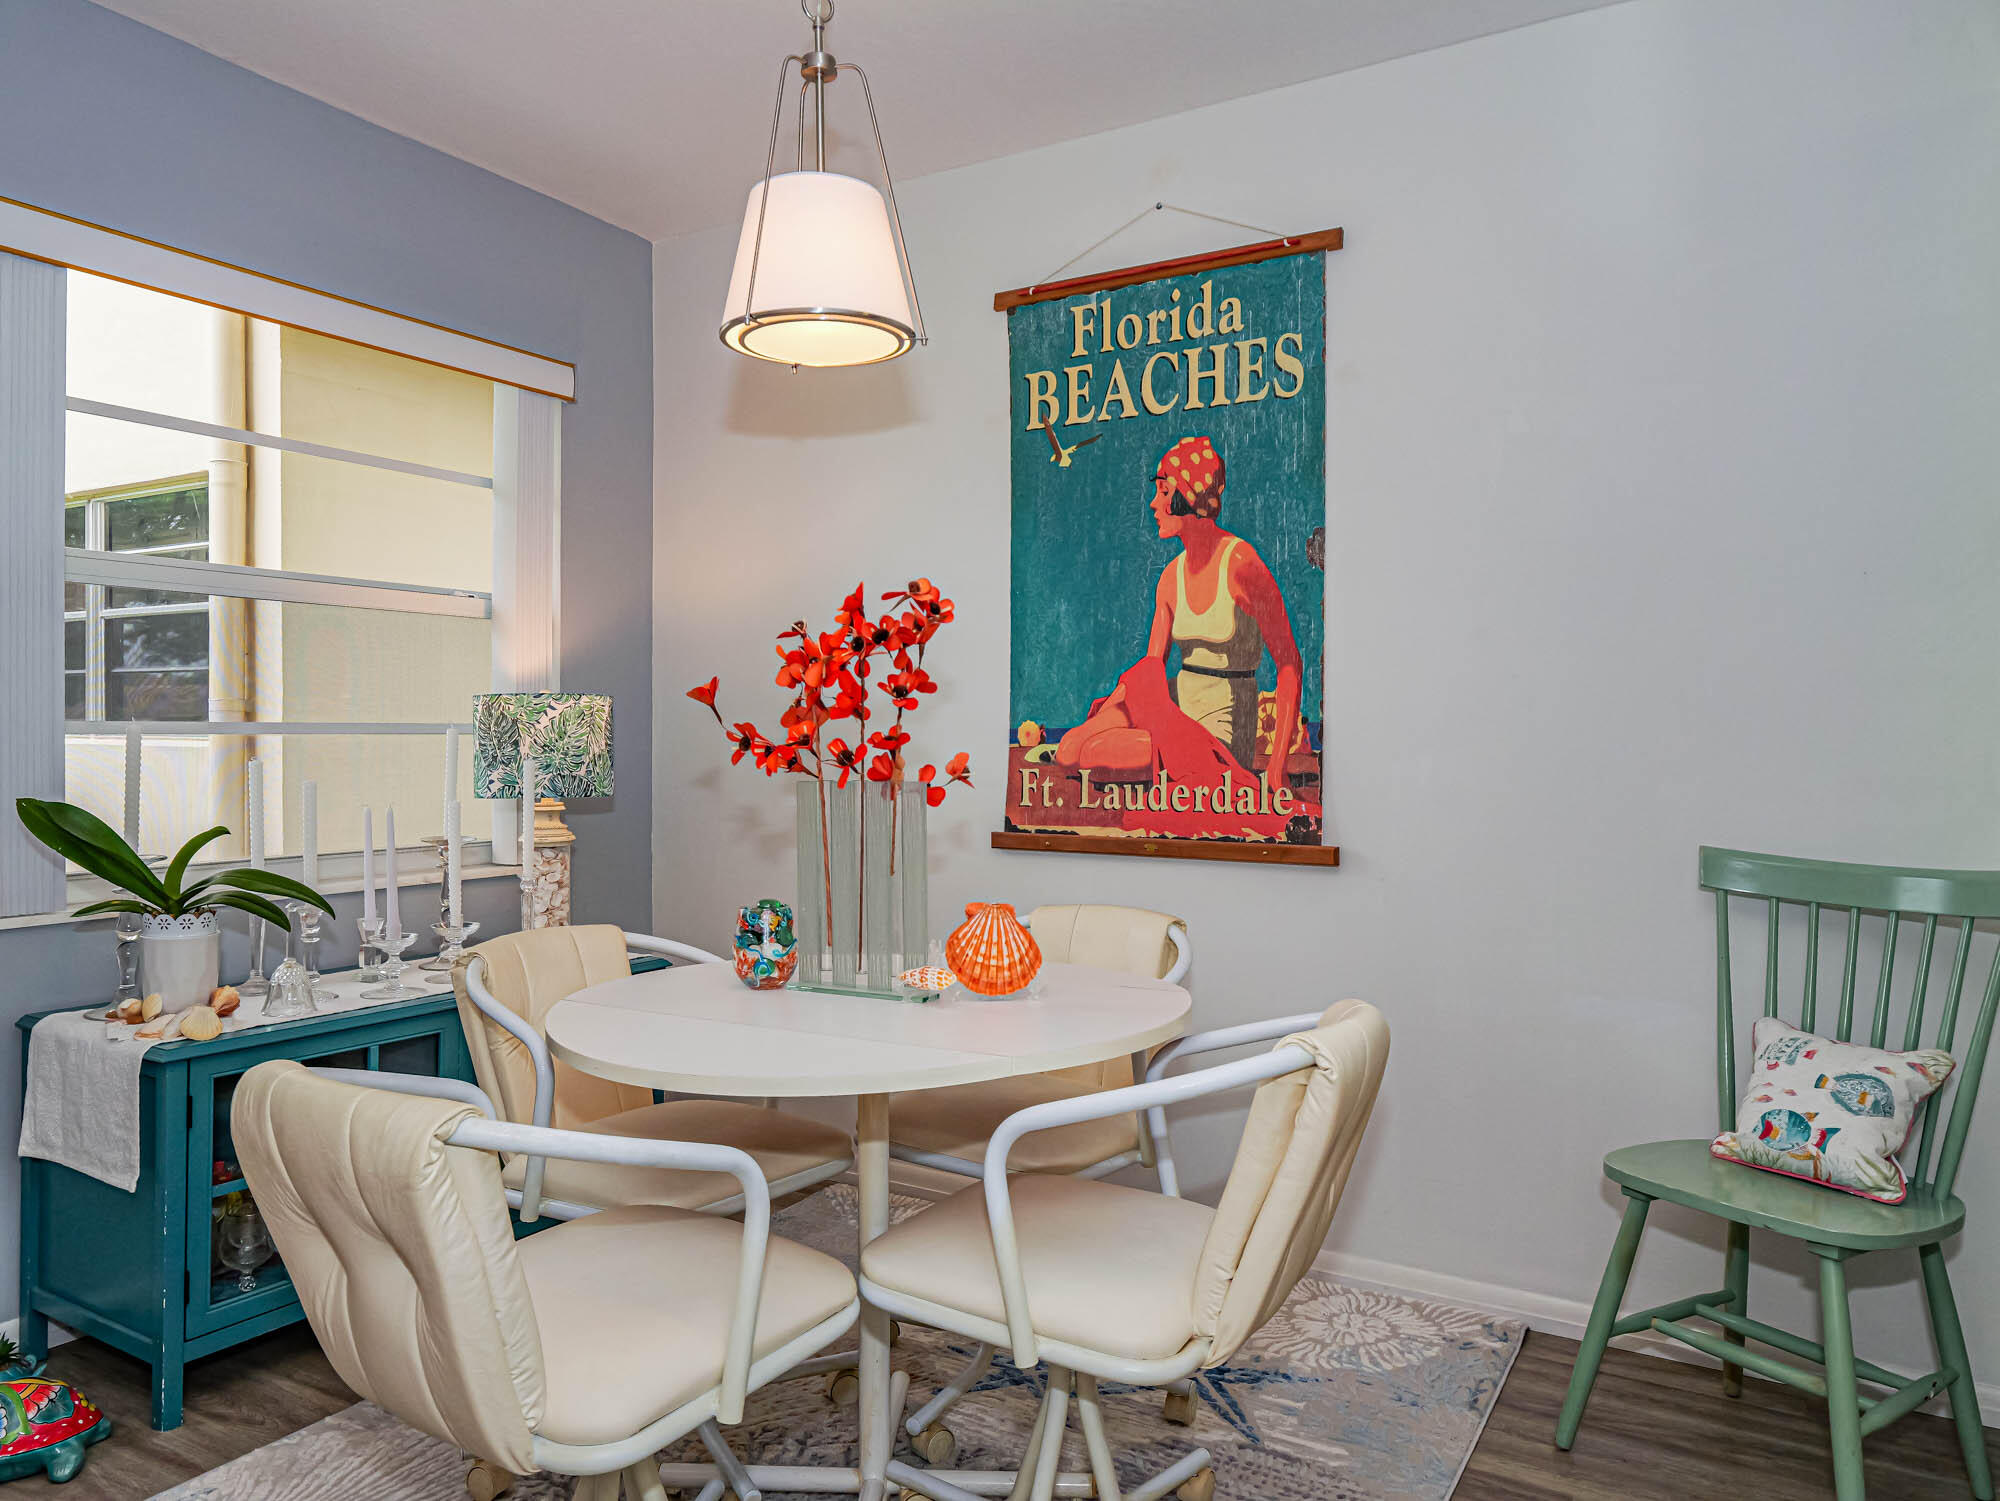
822, 276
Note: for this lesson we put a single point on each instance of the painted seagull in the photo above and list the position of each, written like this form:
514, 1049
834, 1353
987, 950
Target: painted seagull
1062, 455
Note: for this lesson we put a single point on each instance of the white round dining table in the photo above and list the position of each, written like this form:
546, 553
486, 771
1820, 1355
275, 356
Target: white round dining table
696, 1029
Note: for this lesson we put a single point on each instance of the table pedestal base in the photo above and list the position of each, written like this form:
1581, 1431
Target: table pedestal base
812, 1480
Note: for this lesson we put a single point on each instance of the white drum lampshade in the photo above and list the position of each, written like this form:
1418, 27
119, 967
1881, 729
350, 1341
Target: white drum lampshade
829, 282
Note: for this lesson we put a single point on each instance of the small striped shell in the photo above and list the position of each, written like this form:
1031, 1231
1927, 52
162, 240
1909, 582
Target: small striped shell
991, 953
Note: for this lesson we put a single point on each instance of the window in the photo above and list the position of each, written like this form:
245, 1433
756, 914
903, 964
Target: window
269, 528
136, 653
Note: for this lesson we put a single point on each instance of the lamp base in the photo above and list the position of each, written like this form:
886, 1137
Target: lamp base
545, 868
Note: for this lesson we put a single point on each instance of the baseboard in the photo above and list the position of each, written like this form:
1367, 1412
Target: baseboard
1565, 1317
11, 1329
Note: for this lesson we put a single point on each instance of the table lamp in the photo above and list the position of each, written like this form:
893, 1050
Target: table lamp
544, 747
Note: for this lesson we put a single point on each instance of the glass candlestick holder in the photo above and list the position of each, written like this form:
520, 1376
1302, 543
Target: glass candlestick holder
307, 916
451, 944
291, 993
369, 969
130, 926
256, 986
392, 987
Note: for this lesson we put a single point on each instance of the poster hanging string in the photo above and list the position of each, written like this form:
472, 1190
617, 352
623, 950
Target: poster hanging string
1192, 213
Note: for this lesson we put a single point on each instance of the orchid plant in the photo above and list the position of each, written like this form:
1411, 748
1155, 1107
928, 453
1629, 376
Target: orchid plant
833, 677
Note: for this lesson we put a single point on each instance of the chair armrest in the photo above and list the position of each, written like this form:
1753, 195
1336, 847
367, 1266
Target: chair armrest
1045, 1117
418, 1084
504, 1017
1183, 955
1161, 1137
540, 1142
667, 948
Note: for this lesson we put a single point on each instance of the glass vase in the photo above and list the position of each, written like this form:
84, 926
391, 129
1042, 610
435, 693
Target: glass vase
863, 888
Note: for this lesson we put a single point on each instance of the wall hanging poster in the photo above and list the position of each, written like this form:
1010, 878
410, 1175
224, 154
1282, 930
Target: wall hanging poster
1169, 554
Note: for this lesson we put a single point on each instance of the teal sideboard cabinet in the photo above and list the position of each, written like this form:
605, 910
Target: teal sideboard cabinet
138, 1270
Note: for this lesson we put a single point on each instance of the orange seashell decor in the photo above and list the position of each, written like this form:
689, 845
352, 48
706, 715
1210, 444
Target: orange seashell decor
991, 953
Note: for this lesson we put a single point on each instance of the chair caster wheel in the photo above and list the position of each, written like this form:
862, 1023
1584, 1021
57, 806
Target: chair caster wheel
1178, 1408
1199, 1487
843, 1388
937, 1444
485, 1480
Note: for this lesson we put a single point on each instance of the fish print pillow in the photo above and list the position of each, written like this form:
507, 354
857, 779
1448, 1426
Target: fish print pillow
1830, 1112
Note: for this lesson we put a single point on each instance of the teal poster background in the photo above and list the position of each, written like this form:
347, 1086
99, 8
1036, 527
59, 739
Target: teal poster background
1087, 557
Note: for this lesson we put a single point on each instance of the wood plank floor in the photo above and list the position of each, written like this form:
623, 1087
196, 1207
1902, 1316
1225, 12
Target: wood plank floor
1656, 1430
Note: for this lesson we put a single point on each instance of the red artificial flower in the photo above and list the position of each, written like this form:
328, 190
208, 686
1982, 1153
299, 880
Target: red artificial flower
892, 739
748, 742
853, 609
851, 696
705, 694
846, 758
882, 768
959, 768
932, 795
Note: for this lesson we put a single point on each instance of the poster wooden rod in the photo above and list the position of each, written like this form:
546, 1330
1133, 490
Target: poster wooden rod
1240, 255
1173, 849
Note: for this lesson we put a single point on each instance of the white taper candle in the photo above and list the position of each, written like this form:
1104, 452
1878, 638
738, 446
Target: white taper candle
367, 863
392, 919
134, 746
453, 865
309, 833
528, 770
253, 784
450, 764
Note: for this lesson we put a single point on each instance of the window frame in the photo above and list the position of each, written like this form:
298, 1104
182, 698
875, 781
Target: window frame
530, 394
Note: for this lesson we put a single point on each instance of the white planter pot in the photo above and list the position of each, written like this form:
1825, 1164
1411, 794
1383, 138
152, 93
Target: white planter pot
180, 957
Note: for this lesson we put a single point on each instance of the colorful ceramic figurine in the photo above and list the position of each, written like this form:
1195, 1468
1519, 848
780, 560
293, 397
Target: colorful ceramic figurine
991, 953
766, 949
46, 1426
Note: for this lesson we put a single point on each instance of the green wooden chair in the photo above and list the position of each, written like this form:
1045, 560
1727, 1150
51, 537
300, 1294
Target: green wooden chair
1835, 1226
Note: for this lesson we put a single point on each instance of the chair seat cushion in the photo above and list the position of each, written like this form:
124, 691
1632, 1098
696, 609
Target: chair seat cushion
1683, 1172
633, 1308
783, 1144
1108, 1268
957, 1122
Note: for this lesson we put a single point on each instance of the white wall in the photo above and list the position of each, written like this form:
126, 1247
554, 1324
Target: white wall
1663, 360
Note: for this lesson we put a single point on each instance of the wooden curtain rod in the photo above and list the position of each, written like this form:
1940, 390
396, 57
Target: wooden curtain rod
1240, 255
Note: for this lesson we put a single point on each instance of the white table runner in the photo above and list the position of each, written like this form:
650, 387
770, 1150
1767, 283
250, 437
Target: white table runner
82, 1105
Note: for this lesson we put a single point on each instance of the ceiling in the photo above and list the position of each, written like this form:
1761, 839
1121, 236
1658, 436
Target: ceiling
654, 114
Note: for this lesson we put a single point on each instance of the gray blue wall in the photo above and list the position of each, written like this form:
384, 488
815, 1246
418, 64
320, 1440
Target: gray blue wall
105, 120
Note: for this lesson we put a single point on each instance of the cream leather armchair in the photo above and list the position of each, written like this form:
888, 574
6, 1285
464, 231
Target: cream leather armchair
581, 1350
1101, 1282
505, 988
947, 1129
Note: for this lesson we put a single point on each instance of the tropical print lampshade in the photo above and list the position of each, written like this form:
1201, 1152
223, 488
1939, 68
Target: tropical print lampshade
568, 734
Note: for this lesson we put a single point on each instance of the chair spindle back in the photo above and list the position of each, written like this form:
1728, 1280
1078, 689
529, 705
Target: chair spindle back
1893, 895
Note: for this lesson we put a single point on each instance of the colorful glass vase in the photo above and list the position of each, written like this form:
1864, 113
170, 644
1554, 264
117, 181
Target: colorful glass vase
767, 952
991, 953
45, 1426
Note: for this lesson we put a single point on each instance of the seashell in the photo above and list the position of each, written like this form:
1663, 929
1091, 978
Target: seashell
930, 977
150, 1006
129, 1010
223, 1001
991, 953
200, 1023
155, 1027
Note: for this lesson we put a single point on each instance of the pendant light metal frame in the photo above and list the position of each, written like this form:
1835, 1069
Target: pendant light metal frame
818, 68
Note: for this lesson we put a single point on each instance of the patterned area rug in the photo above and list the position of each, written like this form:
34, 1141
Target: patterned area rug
1347, 1395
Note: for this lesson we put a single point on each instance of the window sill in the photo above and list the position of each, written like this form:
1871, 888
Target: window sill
335, 887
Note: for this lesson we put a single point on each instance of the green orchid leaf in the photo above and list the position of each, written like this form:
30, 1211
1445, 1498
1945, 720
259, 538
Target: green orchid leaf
116, 904
84, 838
256, 906
271, 884
178, 866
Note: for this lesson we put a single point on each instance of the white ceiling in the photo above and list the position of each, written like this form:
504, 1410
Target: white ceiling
653, 114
